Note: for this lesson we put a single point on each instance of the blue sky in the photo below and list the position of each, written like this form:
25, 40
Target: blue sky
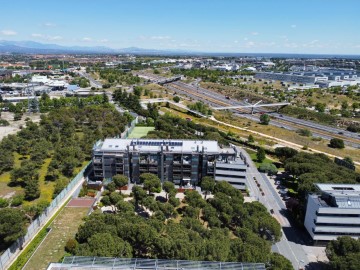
279, 26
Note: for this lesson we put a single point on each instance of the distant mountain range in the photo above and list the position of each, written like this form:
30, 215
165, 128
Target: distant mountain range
31, 47
42, 48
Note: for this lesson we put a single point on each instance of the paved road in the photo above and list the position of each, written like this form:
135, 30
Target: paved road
93, 82
291, 241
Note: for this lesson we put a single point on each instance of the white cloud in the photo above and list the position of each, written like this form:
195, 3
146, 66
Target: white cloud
254, 33
55, 37
86, 39
37, 35
160, 37
103, 40
293, 26
49, 24
8, 33
246, 39
236, 41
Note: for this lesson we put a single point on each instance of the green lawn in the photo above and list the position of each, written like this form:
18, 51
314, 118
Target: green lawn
252, 154
139, 132
5, 179
52, 249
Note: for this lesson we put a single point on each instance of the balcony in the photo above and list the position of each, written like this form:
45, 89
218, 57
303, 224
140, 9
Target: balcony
97, 160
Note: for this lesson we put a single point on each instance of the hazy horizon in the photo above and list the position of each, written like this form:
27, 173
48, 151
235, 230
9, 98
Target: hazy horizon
306, 27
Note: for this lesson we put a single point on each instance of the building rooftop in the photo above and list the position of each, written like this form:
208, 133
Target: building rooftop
151, 145
340, 189
338, 195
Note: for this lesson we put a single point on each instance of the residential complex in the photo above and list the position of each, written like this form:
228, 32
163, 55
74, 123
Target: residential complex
333, 212
183, 162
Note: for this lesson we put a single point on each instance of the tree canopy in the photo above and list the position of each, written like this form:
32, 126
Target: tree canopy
224, 228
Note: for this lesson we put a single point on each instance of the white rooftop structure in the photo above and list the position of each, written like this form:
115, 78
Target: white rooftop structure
185, 146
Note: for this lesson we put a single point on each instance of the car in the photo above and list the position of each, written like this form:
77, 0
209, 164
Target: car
341, 133
272, 211
281, 115
277, 182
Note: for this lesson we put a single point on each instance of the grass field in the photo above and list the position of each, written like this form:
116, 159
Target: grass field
139, 132
5, 190
52, 248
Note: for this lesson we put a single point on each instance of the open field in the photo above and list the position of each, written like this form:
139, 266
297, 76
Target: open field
52, 248
15, 126
139, 132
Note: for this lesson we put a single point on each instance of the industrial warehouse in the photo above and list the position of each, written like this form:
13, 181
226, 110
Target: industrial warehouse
183, 162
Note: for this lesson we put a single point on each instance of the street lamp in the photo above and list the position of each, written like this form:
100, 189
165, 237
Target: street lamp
301, 261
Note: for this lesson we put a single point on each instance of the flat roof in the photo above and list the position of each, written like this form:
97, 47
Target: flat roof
152, 145
339, 189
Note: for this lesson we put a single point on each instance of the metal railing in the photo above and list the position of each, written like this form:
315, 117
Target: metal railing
146, 264
9, 255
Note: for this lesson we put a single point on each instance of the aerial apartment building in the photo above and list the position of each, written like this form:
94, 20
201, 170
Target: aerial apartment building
334, 211
183, 162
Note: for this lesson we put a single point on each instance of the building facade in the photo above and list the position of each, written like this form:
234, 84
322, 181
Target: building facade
180, 161
333, 212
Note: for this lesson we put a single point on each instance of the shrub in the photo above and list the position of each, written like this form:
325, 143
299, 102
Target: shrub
17, 200
4, 203
337, 143
71, 245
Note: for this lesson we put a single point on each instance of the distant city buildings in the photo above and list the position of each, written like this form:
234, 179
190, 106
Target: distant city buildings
333, 212
322, 77
184, 162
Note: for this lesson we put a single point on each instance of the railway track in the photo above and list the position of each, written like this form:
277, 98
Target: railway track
213, 101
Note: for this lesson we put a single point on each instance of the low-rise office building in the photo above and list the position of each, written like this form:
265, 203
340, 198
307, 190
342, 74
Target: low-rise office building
183, 162
334, 211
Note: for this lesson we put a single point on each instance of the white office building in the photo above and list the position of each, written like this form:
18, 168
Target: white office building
333, 212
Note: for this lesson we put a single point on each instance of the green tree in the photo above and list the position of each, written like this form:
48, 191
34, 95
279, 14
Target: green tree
337, 143
260, 155
284, 153
304, 132
105, 245
268, 168
120, 180
176, 99
32, 190
12, 225
251, 139
320, 107
279, 262
139, 194
264, 119
349, 160
151, 182
344, 253
207, 185
169, 188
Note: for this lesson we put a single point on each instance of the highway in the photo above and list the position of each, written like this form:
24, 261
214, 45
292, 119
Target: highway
93, 82
216, 100
293, 240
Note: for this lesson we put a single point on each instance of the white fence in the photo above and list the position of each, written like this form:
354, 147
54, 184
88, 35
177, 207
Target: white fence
7, 257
